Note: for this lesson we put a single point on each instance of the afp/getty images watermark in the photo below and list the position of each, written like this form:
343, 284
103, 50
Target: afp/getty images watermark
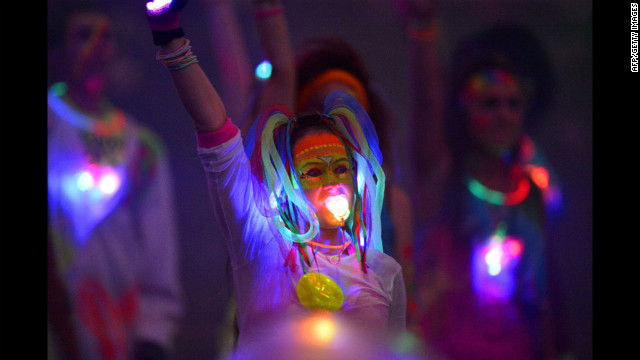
634, 37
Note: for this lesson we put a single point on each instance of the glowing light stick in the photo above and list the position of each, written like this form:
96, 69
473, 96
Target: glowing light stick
338, 206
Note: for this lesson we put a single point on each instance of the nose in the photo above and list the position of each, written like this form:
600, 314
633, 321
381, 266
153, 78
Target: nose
331, 186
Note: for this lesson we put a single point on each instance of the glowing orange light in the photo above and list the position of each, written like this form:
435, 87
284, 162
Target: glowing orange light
318, 329
540, 176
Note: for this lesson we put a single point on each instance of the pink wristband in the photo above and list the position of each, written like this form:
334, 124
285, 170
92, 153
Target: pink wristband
209, 139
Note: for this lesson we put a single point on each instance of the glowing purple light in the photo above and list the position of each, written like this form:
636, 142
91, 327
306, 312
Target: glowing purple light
494, 266
158, 6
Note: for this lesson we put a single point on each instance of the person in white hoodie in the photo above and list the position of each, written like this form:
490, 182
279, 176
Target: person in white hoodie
114, 289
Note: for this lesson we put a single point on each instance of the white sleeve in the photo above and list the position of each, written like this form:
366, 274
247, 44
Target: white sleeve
228, 174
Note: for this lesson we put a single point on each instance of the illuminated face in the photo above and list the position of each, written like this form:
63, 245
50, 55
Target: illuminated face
495, 110
89, 48
325, 171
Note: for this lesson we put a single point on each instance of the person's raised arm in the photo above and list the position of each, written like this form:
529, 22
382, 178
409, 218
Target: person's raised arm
196, 92
430, 154
276, 44
230, 52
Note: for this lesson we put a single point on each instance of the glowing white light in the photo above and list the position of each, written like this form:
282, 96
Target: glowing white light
493, 259
109, 183
338, 205
158, 5
263, 70
85, 181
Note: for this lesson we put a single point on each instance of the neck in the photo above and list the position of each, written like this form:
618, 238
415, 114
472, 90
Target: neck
330, 237
87, 95
495, 173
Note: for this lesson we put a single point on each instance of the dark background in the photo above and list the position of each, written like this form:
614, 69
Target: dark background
564, 133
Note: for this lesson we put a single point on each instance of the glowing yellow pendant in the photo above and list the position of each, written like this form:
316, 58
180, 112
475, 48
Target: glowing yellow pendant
318, 291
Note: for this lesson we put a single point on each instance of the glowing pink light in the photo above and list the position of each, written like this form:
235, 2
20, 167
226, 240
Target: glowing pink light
514, 248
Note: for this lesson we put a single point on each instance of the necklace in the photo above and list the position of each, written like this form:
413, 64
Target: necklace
111, 123
497, 197
341, 247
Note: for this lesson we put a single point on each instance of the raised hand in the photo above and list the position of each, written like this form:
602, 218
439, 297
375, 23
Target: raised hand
164, 15
411, 11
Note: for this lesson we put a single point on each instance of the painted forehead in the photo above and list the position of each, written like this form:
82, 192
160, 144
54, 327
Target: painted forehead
491, 77
318, 145
485, 79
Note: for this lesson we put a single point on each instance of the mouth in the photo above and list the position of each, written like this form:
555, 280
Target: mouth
338, 206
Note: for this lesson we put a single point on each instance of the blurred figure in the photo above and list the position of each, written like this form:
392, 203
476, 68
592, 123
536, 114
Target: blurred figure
114, 288
326, 64
484, 284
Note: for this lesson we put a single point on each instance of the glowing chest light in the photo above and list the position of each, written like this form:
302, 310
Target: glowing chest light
93, 183
89, 193
494, 265
100, 180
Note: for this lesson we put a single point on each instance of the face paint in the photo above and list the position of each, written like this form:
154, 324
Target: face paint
493, 103
321, 159
90, 48
325, 172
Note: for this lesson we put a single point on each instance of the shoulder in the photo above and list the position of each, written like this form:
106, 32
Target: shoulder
382, 264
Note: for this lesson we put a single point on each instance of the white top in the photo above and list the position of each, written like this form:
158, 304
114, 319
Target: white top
263, 285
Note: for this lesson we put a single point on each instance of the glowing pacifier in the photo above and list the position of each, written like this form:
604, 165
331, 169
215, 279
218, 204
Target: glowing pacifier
319, 292
338, 206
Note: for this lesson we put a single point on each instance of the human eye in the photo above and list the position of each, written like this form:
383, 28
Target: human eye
490, 103
341, 169
312, 173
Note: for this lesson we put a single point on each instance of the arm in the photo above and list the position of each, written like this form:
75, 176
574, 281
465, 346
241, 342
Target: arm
196, 92
236, 80
276, 44
427, 145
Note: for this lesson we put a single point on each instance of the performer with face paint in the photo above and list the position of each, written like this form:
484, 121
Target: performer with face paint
484, 197
114, 290
300, 201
